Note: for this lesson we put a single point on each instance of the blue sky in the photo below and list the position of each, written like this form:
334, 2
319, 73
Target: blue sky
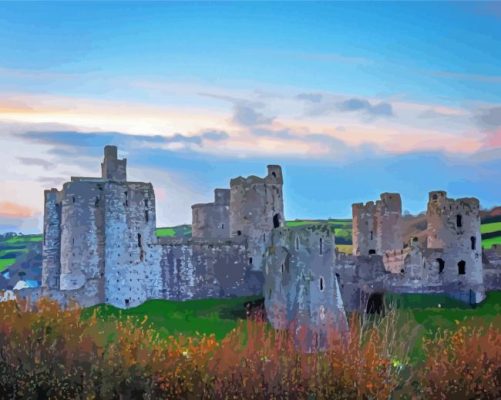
353, 99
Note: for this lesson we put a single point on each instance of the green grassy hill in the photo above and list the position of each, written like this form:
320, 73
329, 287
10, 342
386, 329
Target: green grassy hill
14, 248
491, 232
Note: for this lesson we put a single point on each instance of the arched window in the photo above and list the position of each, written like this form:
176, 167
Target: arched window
473, 240
461, 267
441, 265
139, 243
276, 221
459, 221
321, 284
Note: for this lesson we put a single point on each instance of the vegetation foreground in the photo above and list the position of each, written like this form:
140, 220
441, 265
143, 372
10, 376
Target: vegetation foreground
49, 353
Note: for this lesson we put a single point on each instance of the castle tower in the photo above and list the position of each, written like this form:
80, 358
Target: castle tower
377, 226
301, 288
388, 223
454, 231
364, 229
257, 207
112, 168
51, 249
82, 234
212, 220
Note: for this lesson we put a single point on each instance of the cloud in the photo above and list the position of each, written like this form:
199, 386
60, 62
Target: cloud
382, 108
467, 77
247, 115
13, 210
97, 140
322, 57
310, 97
489, 117
36, 162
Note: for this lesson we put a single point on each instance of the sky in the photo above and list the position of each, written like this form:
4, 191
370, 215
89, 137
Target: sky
351, 99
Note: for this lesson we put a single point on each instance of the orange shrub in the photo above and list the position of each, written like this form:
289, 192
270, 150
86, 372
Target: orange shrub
465, 364
52, 353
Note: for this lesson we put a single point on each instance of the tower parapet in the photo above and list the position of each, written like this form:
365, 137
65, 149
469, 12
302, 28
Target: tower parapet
112, 168
212, 220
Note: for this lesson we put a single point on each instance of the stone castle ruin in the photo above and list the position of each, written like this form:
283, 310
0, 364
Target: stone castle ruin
100, 246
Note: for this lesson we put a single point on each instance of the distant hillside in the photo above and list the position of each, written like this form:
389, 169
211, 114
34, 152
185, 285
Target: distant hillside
21, 255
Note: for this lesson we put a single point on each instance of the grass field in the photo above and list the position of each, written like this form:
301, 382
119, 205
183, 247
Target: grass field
6, 263
211, 316
419, 316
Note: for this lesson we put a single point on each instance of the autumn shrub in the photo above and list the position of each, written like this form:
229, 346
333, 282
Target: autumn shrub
463, 364
50, 353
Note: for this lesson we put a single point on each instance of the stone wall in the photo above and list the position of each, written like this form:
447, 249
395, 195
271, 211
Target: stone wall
194, 269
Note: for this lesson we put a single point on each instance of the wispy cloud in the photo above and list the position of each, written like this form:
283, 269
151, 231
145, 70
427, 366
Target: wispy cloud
489, 117
382, 108
38, 162
467, 77
322, 57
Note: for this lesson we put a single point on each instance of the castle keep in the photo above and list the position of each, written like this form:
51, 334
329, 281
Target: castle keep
100, 246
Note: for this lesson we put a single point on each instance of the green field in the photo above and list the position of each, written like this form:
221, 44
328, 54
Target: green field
6, 263
491, 227
175, 231
211, 316
417, 316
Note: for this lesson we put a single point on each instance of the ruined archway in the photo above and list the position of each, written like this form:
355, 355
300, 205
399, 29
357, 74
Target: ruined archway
375, 304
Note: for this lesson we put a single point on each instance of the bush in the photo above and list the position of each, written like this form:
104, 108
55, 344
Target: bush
50, 353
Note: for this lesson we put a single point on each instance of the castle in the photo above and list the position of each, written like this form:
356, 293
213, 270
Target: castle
100, 246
